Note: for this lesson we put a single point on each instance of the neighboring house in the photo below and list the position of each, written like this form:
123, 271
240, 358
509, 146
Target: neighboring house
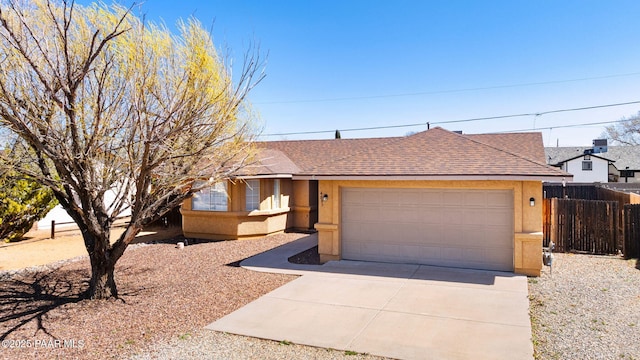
435, 198
587, 167
62, 219
623, 163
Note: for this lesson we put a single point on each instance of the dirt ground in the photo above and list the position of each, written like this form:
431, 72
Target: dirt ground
38, 248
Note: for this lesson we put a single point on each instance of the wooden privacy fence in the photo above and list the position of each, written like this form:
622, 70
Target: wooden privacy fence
632, 231
591, 226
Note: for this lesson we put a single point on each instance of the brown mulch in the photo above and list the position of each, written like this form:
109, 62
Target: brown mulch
164, 292
308, 257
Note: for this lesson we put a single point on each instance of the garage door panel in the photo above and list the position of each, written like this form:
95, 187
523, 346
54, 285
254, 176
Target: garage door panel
412, 234
498, 199
462, 228
351, 247
351, 197
350, 232
393, 216
430, 253
498, 256
430, 197
387, 198
453, 216
498, 217
366, 213
475, 199
452, 197
472, 216
451, 254
431, 215
411, 214
432, 234
472, 254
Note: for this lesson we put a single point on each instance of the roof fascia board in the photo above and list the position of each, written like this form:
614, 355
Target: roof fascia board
568, 177
268, 176
582, 155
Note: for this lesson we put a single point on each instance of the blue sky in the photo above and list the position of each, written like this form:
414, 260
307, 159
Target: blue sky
354, 64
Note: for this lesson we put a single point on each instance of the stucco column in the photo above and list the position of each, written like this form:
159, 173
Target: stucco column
327, 226
528, 240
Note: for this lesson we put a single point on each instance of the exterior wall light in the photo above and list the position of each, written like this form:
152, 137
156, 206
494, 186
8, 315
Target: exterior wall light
325, 197
532, 202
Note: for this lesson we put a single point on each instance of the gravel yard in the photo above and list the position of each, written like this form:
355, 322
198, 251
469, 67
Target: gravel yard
587, 308
207, 344
166, 294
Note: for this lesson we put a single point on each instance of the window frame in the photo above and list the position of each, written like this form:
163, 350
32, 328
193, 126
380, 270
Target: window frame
587, 165
210, 198
627, 173
252, 194
277, 192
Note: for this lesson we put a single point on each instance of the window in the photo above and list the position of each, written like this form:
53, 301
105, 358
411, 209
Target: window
587, 165
276, 193
252, 195
213, 198
627, 173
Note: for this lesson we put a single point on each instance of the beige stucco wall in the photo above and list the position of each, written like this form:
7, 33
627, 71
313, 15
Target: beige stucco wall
237, 223
304, 209
527, 219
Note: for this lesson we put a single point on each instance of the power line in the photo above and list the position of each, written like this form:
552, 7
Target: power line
477, 119
565, 126
345, 130
537, 113
507, 86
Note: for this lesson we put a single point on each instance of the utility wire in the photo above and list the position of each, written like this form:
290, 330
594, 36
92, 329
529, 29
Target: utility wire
536, 114
345, 130
478, 119
444, 91
565, 126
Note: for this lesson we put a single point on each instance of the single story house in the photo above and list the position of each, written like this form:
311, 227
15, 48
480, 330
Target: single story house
435, 197
617, 164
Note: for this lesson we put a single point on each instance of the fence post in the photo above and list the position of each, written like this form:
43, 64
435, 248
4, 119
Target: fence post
553, 226
53, 229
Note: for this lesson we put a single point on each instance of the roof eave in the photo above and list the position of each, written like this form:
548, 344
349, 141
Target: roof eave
568, 177
263, 176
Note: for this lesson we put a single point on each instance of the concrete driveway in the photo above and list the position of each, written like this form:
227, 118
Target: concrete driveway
392, 310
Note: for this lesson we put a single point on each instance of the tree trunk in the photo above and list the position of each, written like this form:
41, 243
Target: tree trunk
102, 284
103, 257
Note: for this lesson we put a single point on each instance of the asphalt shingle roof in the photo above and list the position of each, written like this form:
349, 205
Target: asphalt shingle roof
307, 154
527, 144
435, 152
272, 162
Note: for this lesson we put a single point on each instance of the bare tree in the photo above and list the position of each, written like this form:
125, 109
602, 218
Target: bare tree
625, 132
102, 102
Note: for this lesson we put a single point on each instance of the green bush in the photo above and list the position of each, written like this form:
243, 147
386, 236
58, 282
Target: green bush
22, 203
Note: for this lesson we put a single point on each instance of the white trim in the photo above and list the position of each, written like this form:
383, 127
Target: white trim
568, 177
252, 198
277, 198
210, 195
273, 176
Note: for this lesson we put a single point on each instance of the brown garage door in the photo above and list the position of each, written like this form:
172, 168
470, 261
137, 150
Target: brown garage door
458, 228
